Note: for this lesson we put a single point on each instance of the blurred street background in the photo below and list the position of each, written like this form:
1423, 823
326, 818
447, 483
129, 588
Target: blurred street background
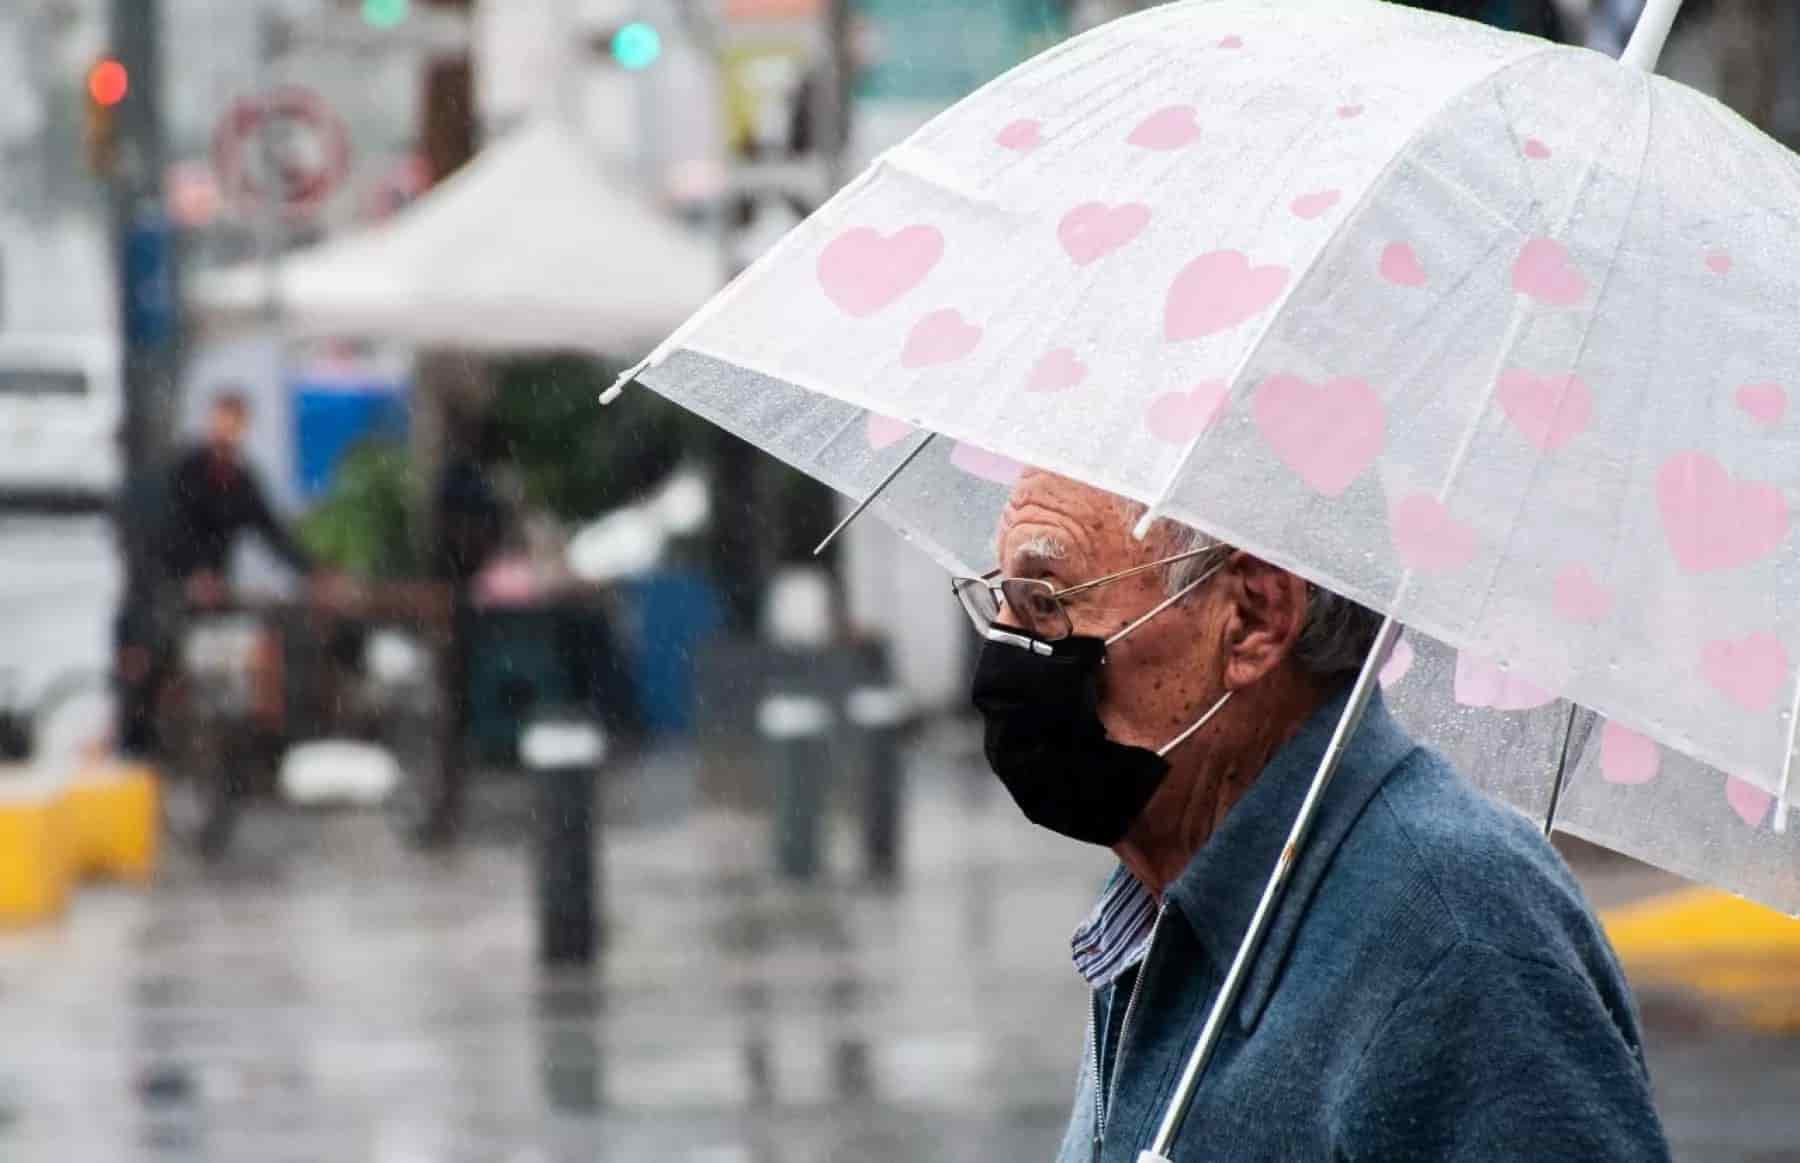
526, 790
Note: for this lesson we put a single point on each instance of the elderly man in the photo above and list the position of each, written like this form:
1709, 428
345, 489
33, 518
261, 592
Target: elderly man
1433, 987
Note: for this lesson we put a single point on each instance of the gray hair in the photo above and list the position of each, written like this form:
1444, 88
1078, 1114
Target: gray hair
1338, 633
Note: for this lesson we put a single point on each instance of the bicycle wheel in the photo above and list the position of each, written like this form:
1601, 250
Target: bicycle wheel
199, 787
420, 809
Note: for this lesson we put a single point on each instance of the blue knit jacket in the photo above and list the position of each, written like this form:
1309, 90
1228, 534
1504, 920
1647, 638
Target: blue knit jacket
1433, 987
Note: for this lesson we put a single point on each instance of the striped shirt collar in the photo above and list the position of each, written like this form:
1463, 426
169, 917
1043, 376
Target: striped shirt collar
1116, 934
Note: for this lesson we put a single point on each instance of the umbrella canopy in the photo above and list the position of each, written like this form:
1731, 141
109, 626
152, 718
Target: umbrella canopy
528, 247
1475, 329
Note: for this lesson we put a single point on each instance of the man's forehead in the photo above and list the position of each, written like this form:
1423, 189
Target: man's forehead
1046, 510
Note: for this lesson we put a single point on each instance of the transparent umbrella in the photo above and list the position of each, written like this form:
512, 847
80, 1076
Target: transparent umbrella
1478, 330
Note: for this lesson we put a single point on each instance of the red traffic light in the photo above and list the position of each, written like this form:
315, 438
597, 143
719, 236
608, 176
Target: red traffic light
108, 82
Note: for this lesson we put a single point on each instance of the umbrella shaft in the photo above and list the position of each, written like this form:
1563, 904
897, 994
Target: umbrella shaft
1651, 34
1360, 695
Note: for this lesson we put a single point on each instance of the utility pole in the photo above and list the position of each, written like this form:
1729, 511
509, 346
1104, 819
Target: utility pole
837, 76
446, 383
144, 245
445, 380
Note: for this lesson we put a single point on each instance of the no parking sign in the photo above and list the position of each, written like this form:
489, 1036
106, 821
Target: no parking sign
286, 146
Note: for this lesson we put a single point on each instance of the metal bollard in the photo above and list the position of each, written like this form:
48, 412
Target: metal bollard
796, 729
563, 756
880, 715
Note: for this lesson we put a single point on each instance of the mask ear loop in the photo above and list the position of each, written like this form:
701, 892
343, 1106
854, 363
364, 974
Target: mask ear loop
1183, 592
1163, 751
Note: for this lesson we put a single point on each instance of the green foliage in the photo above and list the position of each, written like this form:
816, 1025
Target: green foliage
365, 524
577, 459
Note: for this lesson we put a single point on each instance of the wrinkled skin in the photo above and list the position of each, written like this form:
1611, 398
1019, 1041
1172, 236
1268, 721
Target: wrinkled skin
1235, 633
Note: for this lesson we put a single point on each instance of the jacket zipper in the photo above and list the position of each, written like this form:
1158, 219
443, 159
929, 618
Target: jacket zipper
1094, 1019
1112, 1087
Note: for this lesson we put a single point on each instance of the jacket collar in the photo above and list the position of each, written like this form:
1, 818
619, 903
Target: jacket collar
1218, 892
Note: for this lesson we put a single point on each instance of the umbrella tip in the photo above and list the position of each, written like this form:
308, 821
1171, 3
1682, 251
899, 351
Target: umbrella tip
624, 381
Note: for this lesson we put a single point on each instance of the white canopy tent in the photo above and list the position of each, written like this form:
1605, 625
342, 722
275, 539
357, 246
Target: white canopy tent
528, 247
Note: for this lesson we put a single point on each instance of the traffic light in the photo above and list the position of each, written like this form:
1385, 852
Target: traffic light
385, 13
636, 45
108, 83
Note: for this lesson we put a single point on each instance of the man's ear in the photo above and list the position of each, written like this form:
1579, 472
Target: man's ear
1268, 613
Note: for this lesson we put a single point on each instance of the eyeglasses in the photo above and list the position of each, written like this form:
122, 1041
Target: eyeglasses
1038, 608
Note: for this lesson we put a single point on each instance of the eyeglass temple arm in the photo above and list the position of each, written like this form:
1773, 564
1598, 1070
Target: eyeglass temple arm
1135, 570
1179, 594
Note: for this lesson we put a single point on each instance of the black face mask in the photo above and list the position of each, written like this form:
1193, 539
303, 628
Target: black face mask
1046, 742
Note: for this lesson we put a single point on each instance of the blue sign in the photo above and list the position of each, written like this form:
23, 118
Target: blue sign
332, 417
149, 274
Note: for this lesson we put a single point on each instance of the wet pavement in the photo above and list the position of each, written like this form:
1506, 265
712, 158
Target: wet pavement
328, 995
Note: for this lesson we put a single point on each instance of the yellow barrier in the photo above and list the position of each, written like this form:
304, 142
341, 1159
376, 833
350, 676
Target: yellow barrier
110, 822
1728, 950
55, 831
34, 862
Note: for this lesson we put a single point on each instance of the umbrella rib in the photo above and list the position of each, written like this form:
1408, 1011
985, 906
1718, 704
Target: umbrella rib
1511, 341
1562, 767
1787, 763
880, 487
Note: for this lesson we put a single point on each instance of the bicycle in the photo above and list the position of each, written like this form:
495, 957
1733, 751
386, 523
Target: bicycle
254, 678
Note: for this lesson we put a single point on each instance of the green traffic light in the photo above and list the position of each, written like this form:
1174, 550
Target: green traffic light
636, 45
385, 13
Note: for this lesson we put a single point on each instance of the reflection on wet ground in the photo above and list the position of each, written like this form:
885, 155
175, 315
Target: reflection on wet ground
329, 995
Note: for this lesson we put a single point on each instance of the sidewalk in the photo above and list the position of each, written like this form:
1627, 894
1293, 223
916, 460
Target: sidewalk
328, 995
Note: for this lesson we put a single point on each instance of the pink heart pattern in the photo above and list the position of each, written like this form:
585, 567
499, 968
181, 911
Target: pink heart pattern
1482, 683
1549, 411
1751, 803
885, 431
988, 466
1172, 128
1428, 538
1718, 262
1022, 135
1626, 757
1093, 230
1057, 370
1316, 205
1398, 666
1329, 435
1232, 42
1580, 598
864, 271
1764, 403
1543, 272
1218, 291
1536, 150
1401, 267
1750, 671
1349, 112
1714, 522
939, 338
1179, 417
